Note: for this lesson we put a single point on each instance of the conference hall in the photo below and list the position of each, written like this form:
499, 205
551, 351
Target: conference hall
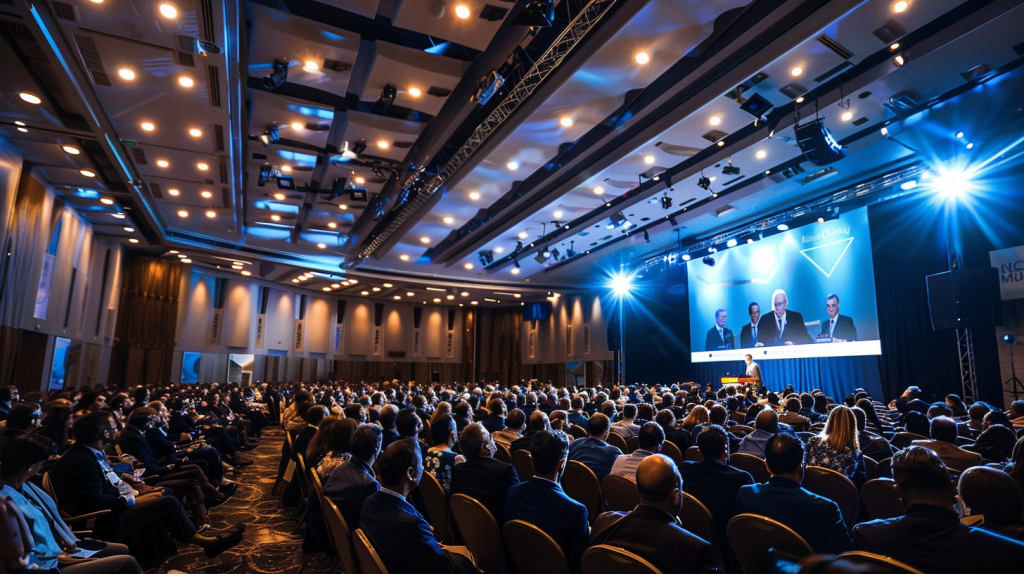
511, 286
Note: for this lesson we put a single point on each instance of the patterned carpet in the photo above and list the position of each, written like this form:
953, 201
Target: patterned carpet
269, 545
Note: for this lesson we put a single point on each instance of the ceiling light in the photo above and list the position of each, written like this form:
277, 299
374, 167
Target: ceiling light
206, 194
168, 11
847, 116
894, 46
649, 159
353, 281
321, 246
180, 255
186, 260
796, 71
360, 180
512, 165
310, 66
398, 297
246, 273
202, 166
403, 257
387, 285
782, 227
195, 132
800, 100
182, 213
467, 266
70, 149
163, 163
449, 220
761, 154
715, 120
642, 58
566, 122
499, 249
474, 303
332, 225
346, 283
474, 196
173, 192
298, 126
133, 240
970, 146
87, 173
365, 293
186, 82
279, 196
326, 288
106, 201
900, 6
295, 280
436, 300
450, 297
376, 289
522, 235
23, 130
415, 92
30, 98
343, 207
424, 240
211, 214
900, 60
130, 229
464, 294
462, 11
126, 74
147, 126
599, 190
959, 135
286, 168
409, 294
383, 144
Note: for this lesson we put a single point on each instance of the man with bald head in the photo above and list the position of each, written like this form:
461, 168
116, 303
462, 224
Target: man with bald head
652, 530
592, 450
766, 425
537, 422
784, 326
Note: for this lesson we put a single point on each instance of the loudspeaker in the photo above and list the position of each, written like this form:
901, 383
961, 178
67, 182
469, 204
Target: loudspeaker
614, 341
818, 144
964, 299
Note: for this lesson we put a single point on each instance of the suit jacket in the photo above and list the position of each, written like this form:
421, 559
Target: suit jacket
815, 518
579, 419
302, 440
493, 424
754, 443
747, 338
656, 536
522, 442
81, 483
952, 456
401, 536
349, 485
795, 330
487, 480
713, 341
133, 442
716, 485
844, 328
796, 420
544, 504
933, 540
598, 455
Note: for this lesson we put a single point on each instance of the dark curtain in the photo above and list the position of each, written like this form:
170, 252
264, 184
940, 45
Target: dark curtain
499, 357
146, 321
22, 359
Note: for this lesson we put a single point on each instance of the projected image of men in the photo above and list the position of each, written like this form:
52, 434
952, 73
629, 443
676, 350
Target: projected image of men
719, 337
839, 327
748, 334
785, 326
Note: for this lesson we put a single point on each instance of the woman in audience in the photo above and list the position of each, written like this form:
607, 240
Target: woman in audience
698, 416
440, 458
836, 447
872, 423
994, 494
956, 405
56, 426
332, 446
443, 409
90, 402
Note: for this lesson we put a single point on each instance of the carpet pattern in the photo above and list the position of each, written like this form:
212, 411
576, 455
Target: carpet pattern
269, 546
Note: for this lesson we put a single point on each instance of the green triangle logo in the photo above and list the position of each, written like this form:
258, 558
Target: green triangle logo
827, 256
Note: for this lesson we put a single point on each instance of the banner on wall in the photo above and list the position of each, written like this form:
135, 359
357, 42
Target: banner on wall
586, 338
450, 351
531, 340
1009, 263
298, 335
261, 320
339, 331
417, 347
568, 340
378, 330
215, 329
263, 300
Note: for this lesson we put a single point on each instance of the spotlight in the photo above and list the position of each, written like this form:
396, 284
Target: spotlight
487, 87
279, 75
704, 183
709, 261
900, 60
951, 184
730, 243
616, 220
621, 284
756, 106
686, 256
1009, 339
266, 170
666, 202
387, 97
546, 252
519, 247
541, 258
516, 263
486, 257
539, 14
647, 236
270, 135
570, 252
818, 144
730, 169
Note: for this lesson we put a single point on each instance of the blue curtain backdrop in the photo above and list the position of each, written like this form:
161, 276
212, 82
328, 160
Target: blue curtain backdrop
836, 376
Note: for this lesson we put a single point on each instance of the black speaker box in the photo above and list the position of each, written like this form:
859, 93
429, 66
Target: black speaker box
964, 298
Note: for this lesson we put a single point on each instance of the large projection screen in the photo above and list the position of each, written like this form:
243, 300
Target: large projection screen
807, 264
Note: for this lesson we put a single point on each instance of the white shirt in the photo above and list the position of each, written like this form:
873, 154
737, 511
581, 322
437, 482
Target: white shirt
721, 334
832, 325
780, 321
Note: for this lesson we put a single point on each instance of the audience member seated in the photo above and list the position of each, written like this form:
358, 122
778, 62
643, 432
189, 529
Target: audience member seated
652, 529
495, 419
871, 445
837, 446
943, 433
930, 536
592, 450
84, 482
815, 518
23, 418
440, 458
994, 495
400, 535
542, 502
576, 415
625, 427
483, 477
766, 425
792, 416
1016, 414
995, 445
331, 445
350, 484
677, 436
651, 439
538, 421
388, 415
515, 422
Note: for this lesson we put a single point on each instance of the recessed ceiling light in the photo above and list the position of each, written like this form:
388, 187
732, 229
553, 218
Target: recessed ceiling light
343, 207
87, 173
450, 297
800, 100
449, 220
899, 60
474, 196
649, 159
415, 92
715, 120
424, 240
126, 74
211, 214
403, 257
346, 283
796, 71
387, 285
147, 126
900, 6
332, 225
467, 266
186, 82
462, 11
761, 154
642, 58
473, 303
182, 213
513, 165
181, 255
360, 180
558, 214
133, 240
23, 130
326, 288
599, 190
173, 191
353, 281
499, 249
464, 294
19, 123
202, 166
310, 66
398, 297
321, 246
566, 122
286, 168
522, 235
376, 289
246, 273
436, 300
130, 229
383, 144
894, 46
186, 260
195, 132
70, 149
279, 196
295, 280
206, 194
298, 126
847, 116
30, 98
106, 201
365, 293
168, 11
410, 294
163, 163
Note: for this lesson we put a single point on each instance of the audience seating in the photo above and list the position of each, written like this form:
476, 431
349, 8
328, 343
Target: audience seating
632, 443
672, 451
617, 441
580, 484
881, 499
620, 493
533, 550
341, 536
577, 432
885, 468
437, 507
693, 454
523, 462
871, 468
501, 453
889, 565
836, 487
480, 532
751, 536
752, 464
82, 525
697, 520
368, 559
741, 431
604, 559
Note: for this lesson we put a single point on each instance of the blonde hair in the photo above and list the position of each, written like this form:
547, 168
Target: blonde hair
698, 416
840, 431
444, 409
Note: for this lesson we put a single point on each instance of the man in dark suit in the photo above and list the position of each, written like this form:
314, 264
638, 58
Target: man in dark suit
538, 421
350, 484
399, 534
166, 451
542, 502
839, 327
748, 334
593, 451
495, 419
782, 327
719, 337
652, 530
482, 476
815, 518
85, 482
943, 443
929, 536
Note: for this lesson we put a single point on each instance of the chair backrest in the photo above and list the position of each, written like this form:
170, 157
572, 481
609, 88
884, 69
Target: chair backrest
480, 531
752, 464
670, 450
871, 468
368, 557
437, 506
617, 441
533, 550
834, 486
881, 499
318, 485
888, 565
604, 559
523, 461
576, 431
502, 453
697, 519
619, 492
341, 535
741, 430
693, 453
303, 473
632, 443
48, 487
885, 468
580, 484
752, 536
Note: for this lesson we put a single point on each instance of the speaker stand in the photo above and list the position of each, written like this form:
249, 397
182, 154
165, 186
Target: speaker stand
1016, 387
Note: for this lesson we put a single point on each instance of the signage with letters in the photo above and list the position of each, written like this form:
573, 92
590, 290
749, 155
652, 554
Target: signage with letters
261, 320
298, 335
215, 327
1009, 263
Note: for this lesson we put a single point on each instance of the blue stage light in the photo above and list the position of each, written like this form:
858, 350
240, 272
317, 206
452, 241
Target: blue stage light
730, 243
621, 284
951, 184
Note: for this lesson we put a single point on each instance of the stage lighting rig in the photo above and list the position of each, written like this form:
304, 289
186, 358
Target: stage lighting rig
666, 202
487, 87
486, 257
709, 261
536, 14
541, 258
266, 172
730, 169
279, 75
387, 97
270, 135
556, 254
519, 247
704, 183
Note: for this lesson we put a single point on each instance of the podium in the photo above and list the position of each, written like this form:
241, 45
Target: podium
739, 381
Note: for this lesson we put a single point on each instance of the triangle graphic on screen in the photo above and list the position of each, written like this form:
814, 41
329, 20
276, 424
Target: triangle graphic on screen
827, 256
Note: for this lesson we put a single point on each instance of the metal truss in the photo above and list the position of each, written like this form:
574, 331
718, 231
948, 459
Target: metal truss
968, 375
572, 36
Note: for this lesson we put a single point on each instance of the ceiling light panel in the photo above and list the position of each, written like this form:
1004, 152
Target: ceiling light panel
405, 67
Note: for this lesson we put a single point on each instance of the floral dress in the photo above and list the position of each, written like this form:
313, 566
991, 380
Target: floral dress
439, 464
330, 462
849, 463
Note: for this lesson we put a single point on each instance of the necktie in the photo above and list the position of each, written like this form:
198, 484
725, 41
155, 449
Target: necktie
831, 327
721, 334
779, 319
753, 333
